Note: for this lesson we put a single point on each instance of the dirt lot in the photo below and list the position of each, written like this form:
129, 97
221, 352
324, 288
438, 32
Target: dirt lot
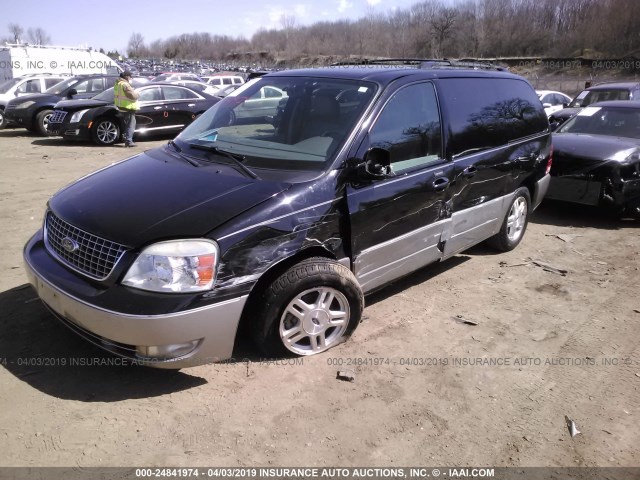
429, 389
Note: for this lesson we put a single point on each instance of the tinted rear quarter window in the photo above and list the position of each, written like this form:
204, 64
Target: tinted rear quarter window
489, 112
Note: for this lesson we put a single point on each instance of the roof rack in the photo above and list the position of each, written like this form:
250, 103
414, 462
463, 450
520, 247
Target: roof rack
427, 63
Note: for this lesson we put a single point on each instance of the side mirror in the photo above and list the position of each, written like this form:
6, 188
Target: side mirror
375, 166
72, 92
565, 105
553, 125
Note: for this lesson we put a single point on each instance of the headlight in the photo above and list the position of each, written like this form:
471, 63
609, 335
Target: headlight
177, 266
77, 116
628, 155
26, 104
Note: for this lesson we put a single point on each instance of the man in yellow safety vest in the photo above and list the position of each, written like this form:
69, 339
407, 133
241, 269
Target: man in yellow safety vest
125, 100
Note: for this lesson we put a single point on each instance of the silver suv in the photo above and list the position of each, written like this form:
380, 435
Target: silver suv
24, 85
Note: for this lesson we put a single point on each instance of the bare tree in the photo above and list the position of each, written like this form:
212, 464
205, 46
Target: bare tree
16, 32
37, 36
135, 47
442, 26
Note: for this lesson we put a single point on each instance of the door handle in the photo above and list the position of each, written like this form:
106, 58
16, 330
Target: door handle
528, 158
440, 184
158, 108
470, 171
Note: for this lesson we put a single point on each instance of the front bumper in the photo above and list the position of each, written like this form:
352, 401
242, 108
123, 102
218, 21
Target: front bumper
72, 131
21, 116
213, 326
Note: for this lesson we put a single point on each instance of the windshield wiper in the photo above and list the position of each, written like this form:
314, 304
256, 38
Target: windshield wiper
233, 156
175, 145
183, 157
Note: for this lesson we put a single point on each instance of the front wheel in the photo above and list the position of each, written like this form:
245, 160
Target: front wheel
42, 120
312, 307
3, 119
515, 223
105, 132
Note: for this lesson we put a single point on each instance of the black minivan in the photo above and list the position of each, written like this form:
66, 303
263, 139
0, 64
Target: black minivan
283, 204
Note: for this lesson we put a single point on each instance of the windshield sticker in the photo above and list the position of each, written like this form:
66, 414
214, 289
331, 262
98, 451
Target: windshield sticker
211, 135
589, 111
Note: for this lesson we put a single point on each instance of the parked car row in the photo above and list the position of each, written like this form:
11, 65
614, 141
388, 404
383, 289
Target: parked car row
25, 85
33, 111
165, 108
598, 93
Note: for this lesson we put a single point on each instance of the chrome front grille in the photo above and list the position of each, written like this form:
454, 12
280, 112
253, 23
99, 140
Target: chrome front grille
57, 116
82, 251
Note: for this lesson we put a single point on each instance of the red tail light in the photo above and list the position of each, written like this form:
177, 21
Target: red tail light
549, 161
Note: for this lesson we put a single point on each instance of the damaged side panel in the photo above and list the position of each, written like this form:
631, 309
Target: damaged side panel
396, 225
301, 218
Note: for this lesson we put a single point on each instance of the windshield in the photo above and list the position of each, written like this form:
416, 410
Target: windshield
587, 97
289, 123
62, 86
6, 86
611, 121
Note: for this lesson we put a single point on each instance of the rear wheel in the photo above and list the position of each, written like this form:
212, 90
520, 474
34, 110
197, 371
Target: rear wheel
312, 307
106, 131
515, 223
42, 120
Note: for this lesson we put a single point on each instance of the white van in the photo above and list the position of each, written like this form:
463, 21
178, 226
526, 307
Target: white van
224, 80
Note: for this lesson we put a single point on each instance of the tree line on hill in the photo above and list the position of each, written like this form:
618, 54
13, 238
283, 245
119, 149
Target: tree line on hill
427, 29
434, 29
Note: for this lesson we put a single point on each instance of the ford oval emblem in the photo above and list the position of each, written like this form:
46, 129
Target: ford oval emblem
70, 245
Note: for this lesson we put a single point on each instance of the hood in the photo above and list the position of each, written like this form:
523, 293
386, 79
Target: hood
158, 195
565, 112
36, 97
575, 151
70, 105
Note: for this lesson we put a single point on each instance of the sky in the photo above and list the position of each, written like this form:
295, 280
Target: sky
160, 19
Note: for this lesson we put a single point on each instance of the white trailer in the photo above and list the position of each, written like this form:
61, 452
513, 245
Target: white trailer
19, 60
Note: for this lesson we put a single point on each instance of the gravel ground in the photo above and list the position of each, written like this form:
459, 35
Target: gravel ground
475, 361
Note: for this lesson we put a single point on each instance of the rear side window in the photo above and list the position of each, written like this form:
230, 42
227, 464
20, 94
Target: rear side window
177, 93
30, 86
409, 128
490, 112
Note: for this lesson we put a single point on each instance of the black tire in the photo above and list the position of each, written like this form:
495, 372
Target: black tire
305, 284
105, 131
3, 119
514, 224
41, 121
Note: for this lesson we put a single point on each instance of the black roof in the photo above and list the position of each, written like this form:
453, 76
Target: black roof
618, 104
615, 85
385, 74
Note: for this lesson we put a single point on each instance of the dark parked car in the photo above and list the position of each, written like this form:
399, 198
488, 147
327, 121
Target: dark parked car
164, 109
33, 111
282, 225
599, 93
597, 157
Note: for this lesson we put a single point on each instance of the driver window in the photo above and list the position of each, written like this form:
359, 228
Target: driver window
409, 128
